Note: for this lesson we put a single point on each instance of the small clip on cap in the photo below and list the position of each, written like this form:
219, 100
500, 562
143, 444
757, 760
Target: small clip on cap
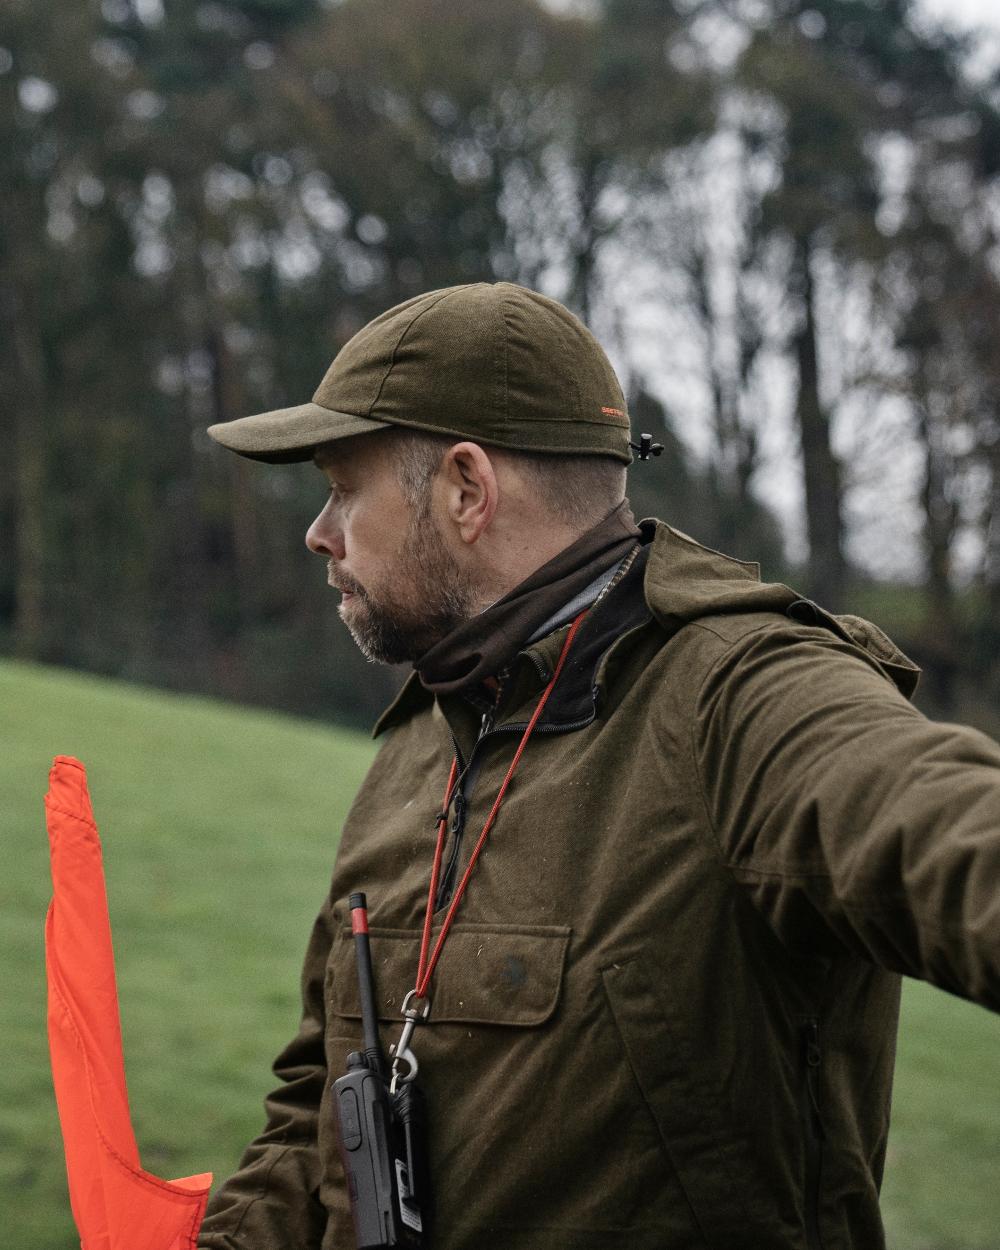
646, 447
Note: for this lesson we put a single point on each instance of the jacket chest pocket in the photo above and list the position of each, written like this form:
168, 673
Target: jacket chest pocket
483, 1056
488, 974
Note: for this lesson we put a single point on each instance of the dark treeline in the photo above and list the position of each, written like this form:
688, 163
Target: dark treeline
771, 211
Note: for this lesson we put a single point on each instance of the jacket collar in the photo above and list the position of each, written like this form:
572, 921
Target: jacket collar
573, 699
676, 580
484, 645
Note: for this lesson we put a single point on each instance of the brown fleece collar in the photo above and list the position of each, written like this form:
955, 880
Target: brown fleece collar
483, 646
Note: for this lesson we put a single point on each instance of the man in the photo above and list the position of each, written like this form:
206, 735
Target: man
664, 1014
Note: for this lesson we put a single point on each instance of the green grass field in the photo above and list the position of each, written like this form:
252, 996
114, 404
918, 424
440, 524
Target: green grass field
219, 827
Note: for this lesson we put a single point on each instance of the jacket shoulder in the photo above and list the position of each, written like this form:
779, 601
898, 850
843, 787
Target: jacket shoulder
689, 584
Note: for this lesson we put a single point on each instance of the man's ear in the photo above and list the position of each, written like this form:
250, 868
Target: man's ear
471, 491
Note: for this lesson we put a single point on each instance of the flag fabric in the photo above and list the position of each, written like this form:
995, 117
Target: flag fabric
117, 1205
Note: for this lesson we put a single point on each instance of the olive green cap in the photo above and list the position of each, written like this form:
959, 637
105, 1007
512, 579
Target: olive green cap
491, 362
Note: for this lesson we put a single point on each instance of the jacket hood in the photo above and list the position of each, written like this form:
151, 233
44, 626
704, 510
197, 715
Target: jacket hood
686, 581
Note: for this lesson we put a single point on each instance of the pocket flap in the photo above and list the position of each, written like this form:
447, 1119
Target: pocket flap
488, 974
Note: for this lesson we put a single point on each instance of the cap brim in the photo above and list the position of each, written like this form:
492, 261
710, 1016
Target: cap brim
289, 434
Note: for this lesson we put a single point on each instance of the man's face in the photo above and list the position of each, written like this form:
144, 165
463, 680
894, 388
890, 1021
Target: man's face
402, 588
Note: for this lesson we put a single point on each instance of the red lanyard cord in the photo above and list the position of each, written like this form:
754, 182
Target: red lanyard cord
425, 968
425, 940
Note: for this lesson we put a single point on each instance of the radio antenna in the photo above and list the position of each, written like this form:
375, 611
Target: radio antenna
366, 984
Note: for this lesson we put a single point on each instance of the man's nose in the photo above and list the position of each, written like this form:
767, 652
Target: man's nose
325, 536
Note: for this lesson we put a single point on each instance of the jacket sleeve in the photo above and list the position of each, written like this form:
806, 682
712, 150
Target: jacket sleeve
271, 1202
850, 819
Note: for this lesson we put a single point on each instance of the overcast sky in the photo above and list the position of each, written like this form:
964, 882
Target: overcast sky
966, 12
984, 14
885, 522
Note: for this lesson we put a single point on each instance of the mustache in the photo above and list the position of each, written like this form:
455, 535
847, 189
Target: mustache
342, 581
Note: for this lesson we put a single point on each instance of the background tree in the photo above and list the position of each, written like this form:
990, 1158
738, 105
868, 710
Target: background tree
775, 215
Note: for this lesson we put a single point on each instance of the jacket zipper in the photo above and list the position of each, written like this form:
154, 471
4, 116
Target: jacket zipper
814, 1136
460, 800
447, 883
467, 773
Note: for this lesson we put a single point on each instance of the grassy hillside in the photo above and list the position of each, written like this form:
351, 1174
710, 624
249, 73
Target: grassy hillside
219, 827
941, 1189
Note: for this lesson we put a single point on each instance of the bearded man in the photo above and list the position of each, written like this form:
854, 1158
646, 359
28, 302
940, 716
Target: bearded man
648, 841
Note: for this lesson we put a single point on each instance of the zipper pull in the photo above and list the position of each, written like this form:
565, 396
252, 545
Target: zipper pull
490, 715
814, 1057
813, 1054
458, 819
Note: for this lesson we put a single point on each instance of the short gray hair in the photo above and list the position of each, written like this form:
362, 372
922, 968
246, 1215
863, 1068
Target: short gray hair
578, 491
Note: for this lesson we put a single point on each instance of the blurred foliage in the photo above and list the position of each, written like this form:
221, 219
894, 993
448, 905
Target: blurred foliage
204, 200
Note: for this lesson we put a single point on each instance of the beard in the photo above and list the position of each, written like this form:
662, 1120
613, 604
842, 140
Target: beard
419, 602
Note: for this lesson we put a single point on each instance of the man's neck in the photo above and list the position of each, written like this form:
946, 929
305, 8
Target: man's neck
517, 561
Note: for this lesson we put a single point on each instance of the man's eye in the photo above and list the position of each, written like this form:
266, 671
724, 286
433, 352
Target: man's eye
338, 493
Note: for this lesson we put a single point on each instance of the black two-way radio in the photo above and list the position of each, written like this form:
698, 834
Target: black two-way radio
381, 1130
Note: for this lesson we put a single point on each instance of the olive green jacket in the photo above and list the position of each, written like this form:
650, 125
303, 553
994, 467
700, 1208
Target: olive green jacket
666, 1017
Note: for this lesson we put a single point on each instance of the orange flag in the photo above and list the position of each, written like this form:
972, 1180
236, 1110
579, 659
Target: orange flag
116, 1204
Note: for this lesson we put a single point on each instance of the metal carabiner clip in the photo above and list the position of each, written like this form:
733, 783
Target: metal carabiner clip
401, 1052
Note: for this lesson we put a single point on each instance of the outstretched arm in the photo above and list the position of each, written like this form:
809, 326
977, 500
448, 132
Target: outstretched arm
852, 820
